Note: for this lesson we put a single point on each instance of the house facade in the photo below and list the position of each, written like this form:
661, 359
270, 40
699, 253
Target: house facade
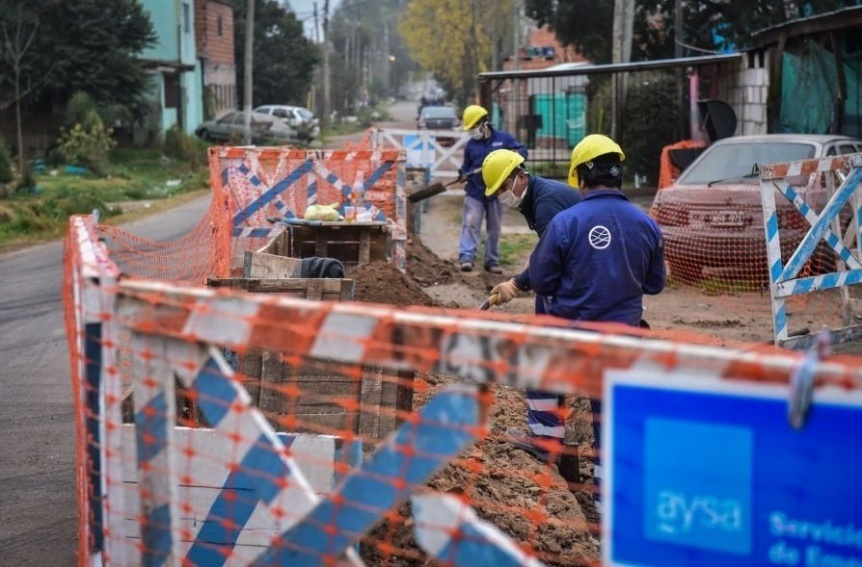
214, 39
176, 86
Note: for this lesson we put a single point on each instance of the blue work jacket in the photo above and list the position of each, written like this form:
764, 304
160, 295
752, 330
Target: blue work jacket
544, 199
596, 261
474, 154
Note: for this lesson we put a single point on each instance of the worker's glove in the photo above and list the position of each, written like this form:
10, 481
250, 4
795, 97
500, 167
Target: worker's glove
503, 293
461, 178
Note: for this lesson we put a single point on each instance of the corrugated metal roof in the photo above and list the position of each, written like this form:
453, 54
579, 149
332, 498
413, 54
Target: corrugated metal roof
577, 69
838, 19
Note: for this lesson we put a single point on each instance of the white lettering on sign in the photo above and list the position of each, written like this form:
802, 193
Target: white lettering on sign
680, 513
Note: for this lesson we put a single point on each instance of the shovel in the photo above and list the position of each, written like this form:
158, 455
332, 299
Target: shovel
435, 188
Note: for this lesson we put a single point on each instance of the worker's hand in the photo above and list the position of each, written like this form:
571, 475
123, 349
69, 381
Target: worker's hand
461, 178
503, 293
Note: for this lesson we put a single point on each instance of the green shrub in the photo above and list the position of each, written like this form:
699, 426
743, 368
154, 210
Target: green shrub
79, 109
180, 146
6, 173
649, 120
88, 145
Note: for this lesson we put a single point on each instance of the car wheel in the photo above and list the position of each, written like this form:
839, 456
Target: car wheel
205, 135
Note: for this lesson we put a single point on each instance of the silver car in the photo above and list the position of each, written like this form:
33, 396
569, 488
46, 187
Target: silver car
231, 128
300, 119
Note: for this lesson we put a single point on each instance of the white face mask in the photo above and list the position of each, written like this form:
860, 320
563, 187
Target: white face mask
510, 200
476, 133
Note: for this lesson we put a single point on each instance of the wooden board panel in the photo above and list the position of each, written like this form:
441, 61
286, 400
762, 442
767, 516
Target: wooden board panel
261, 265
351, 244
205, 457
328, 289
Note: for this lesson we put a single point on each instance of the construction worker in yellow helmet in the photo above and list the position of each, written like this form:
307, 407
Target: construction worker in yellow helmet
479, 207
596, 260
539, 200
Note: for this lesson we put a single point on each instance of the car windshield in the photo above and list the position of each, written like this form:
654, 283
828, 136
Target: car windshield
438, 112
737, 161
307, 114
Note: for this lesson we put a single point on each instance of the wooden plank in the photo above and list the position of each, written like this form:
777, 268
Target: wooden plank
261, 265
343, 242
321, 243
364, 247
270, 380
293, 286
251, 365
278, 245
206, 457
314, 289
206, 453
318, 422
369, 399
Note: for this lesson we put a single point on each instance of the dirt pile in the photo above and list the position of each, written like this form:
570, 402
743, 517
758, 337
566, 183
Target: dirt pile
525, 498
381, 282
426, 268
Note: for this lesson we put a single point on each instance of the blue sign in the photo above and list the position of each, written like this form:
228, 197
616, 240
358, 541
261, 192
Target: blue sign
712, 474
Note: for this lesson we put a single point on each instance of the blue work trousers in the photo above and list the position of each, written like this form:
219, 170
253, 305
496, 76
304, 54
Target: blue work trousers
475, 211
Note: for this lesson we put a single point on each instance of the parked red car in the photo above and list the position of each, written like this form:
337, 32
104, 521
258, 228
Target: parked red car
712, 217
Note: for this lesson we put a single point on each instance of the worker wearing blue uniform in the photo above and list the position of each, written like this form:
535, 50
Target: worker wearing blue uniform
477, 205
539, 200
596, 261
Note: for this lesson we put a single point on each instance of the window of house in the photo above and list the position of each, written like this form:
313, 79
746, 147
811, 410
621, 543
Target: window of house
187, 18
172, 91
218, 26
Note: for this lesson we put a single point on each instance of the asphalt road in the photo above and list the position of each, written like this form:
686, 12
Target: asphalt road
38, 523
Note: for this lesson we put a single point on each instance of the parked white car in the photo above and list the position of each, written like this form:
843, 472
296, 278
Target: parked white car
300, 119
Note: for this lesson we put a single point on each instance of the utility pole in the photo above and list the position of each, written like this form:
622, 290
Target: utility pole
386, 54
249, 61
516, 36
616, 55
677, 53
327, 102
316, 26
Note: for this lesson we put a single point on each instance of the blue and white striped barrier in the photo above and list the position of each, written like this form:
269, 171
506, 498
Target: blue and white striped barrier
784, 280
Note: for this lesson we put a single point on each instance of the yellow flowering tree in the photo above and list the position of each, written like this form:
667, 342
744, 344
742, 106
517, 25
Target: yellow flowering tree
456, 39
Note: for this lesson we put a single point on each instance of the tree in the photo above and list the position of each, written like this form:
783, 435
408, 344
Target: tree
20, 25
709, 25
454, 39
284, 59
369, 56
90, 46
52, 49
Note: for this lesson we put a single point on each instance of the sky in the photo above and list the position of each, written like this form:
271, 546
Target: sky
305, 11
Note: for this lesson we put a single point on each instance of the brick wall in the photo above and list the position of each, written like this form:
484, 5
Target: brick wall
217, 48
544, 37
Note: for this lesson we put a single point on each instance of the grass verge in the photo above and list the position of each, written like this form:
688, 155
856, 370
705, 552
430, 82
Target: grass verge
134, 175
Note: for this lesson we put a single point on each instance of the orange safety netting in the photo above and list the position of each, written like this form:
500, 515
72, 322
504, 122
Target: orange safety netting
218, 427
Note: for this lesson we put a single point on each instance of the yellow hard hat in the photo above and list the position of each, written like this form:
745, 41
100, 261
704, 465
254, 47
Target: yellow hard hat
497, 167
472, 115
588, 149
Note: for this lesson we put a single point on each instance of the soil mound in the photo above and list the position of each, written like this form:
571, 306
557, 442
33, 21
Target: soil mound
426, 267
381, 282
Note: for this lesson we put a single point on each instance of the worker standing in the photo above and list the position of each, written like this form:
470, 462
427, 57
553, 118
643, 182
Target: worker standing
596, 261
539, 200
478, 206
